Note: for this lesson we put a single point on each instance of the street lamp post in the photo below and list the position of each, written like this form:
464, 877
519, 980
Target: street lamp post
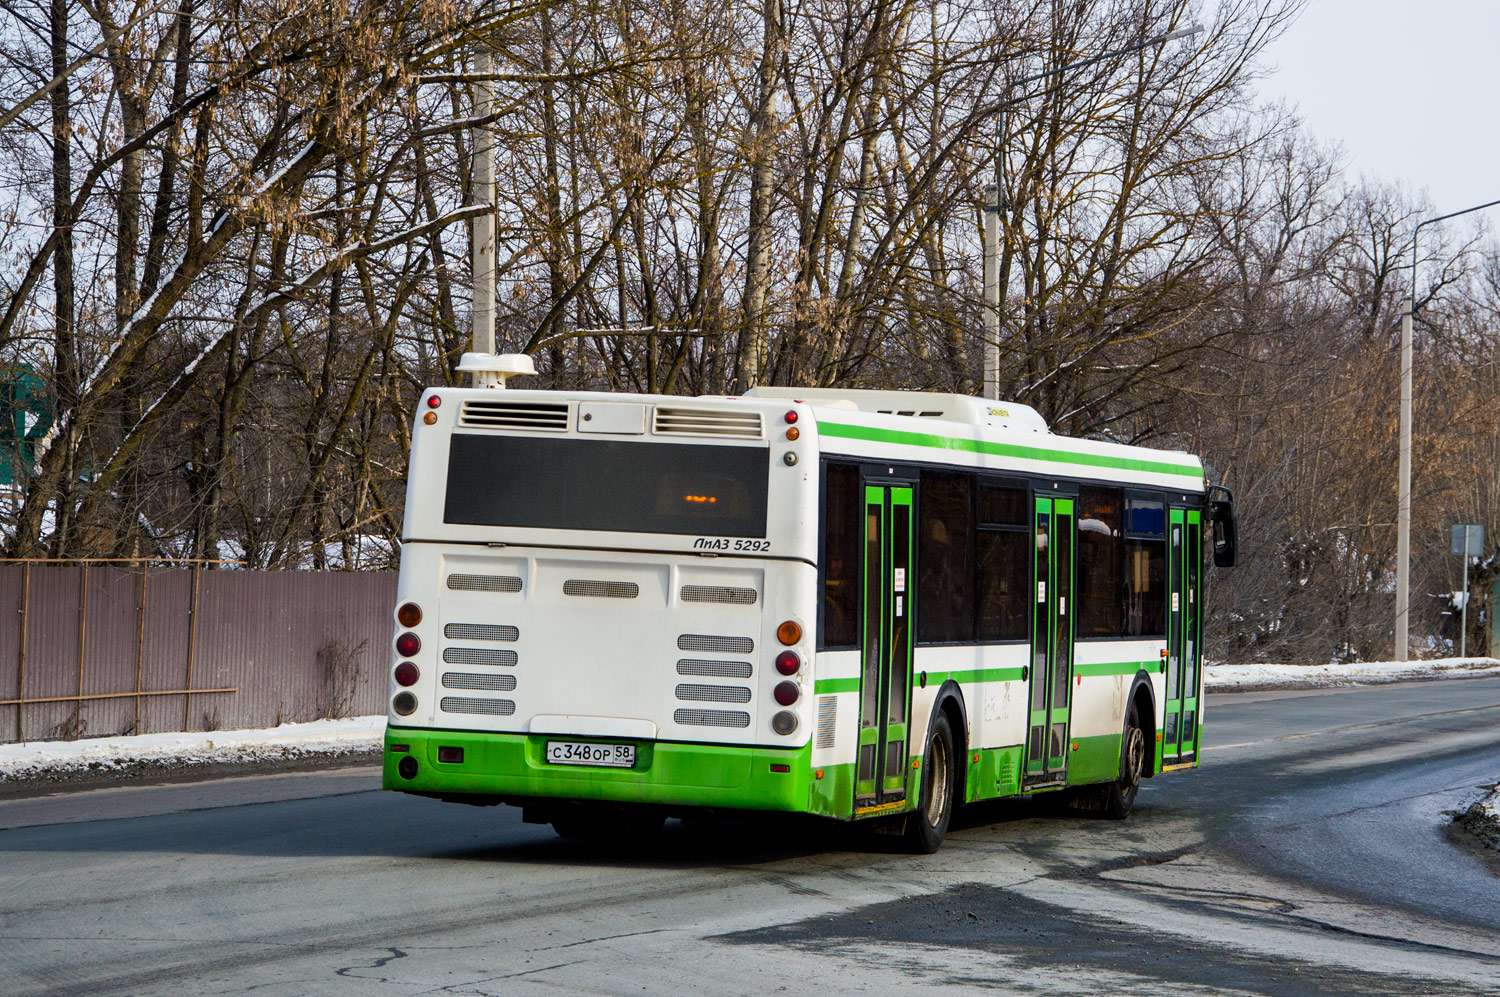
1403, 499
996, 203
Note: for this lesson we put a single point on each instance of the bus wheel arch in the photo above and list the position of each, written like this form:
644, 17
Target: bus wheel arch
1144, 700
940, 785
950, 701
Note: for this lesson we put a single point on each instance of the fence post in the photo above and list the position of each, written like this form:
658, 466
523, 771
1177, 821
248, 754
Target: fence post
187, 699
21, 665
140, 643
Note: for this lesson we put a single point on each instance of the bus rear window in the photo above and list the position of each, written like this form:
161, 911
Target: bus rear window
606, 485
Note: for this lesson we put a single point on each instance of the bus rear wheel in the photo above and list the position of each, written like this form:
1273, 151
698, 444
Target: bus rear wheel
926, 828
1119, 796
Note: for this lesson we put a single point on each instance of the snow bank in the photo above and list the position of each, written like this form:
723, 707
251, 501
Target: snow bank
101, 758
1254, 678
1482, 819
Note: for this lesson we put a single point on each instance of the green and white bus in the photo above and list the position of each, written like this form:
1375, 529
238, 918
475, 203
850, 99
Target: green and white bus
615, 608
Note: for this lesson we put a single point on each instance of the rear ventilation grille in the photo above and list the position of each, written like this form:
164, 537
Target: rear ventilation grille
479, 656
711, 718
483, 683
714, 669
601, 590
480, 631
465, 704
827, 715
514, 415
484, 583
718, 593
707, 642
713, 694
705, 422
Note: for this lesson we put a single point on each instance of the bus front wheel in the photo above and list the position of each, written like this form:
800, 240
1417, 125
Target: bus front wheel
926, 828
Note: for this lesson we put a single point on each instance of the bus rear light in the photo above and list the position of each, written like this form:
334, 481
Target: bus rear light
791, 416
430, 418
433, 401
792, 433
407, 767
789, 632
781, 768
787, 662
409, 615
407, 674
786, 693
453, 756
400, 748
405, 704
784, 722
408, 644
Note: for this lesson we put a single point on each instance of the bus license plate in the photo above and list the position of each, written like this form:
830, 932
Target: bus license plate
620, 756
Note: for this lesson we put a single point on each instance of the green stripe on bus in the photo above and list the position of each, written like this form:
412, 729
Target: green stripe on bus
1113, 668
1003, 449
823, 686
981, 675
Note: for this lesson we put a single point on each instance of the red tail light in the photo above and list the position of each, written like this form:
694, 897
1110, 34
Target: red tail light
786, 693
433, 401
787, 662
407, 673
408, 644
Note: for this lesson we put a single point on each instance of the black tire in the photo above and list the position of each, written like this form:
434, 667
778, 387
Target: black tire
1119, 797
926, 828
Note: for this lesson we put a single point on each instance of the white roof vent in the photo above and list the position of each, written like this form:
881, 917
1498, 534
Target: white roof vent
492, 370
919, 404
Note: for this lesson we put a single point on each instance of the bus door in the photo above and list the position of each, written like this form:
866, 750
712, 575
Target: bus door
1184, 671
885, 678
1051, 642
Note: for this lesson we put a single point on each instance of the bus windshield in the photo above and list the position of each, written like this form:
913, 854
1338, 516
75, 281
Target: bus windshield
627, 487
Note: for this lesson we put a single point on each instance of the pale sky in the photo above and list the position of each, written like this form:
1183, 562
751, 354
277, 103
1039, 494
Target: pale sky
1410, 89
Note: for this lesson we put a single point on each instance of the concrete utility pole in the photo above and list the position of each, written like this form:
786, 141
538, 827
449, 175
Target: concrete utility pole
1403, 502
482, 249
992, 291
1403, 489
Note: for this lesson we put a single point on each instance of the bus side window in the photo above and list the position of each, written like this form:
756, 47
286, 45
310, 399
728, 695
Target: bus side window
1100, 553
1145, 588
843, 515
945, 558
1002, 545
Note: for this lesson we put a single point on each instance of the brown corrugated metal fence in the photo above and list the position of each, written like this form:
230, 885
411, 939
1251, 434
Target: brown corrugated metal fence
99, 649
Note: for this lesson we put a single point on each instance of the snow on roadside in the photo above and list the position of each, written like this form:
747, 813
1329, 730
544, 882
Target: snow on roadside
103, 757
1256, 678
1482, 819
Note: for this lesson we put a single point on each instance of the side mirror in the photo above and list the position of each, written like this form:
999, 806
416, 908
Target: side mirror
1226, 529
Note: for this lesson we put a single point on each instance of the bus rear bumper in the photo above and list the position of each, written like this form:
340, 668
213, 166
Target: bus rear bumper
665, 773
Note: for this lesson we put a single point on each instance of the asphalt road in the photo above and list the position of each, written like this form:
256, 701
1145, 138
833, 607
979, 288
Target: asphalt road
1309, 855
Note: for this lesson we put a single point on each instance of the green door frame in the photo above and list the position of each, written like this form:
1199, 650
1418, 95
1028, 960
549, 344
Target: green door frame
880, 781
1184, 632
1051, 642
